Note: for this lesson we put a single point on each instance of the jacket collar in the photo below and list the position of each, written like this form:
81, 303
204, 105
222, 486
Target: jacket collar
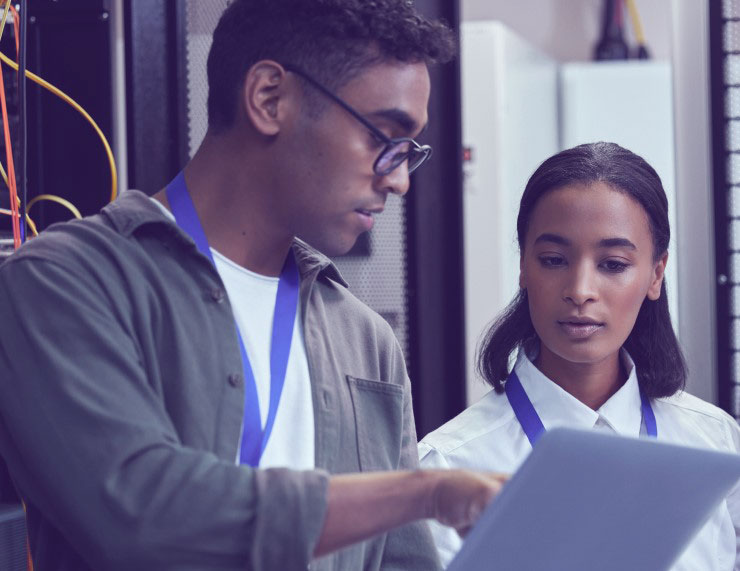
133, 209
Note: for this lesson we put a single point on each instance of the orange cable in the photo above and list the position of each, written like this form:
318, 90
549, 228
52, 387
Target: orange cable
16, 29
11, 167
9, 153
14, 201
16, 33
11, 178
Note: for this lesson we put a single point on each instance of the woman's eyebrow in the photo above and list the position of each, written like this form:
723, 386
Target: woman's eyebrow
604, 243
554, 238
617, 243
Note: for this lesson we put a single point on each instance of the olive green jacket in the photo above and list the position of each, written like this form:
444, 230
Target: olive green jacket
121, 402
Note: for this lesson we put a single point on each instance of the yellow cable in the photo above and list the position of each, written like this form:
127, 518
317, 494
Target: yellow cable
636, 24
58, 199
4, 175
31, 223
66, 203
59, 93
5, 17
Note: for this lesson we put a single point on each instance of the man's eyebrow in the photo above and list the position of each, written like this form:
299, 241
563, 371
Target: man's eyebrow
617, 243
554, 238
401, 118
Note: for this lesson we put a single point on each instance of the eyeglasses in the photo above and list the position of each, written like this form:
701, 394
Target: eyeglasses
395, 151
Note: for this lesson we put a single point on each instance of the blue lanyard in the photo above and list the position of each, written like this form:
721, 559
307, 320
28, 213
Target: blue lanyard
530, 420
254, 439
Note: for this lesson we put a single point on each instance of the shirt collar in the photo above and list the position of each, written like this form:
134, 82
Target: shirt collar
557, 407
133, 209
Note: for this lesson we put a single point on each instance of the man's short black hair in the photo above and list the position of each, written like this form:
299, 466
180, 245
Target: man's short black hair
332, 40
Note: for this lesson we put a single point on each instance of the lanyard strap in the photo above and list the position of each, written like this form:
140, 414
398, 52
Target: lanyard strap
253, 438
532, 424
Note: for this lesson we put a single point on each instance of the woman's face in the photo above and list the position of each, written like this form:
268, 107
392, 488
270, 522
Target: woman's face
587, 266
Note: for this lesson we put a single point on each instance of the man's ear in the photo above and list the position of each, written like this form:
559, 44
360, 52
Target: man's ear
265, 96
653, 292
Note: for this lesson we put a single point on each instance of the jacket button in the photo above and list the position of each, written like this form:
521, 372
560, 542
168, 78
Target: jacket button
235, 380
217, 295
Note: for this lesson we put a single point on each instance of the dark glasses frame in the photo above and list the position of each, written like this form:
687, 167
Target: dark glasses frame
396, 150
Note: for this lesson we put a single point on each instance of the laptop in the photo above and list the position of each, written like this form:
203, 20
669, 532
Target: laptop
586, 500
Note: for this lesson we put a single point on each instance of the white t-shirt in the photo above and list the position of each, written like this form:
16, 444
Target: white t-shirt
487, 436
252, 297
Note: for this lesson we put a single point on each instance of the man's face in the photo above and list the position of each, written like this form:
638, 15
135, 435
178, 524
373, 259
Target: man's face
334, 193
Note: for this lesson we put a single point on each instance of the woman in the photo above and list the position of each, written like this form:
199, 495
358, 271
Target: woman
592, 335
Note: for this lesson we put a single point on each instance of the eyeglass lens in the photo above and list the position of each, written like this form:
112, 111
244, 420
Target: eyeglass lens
396, 154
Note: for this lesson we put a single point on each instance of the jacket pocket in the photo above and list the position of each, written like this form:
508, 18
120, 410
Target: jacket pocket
378, 409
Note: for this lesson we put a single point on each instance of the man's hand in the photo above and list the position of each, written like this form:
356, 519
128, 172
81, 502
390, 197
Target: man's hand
361, 506
460, 497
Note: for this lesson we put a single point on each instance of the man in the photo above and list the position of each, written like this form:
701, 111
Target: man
145, 430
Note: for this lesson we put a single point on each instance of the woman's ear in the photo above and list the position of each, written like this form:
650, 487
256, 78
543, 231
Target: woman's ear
653, 292
266, 96
522, 281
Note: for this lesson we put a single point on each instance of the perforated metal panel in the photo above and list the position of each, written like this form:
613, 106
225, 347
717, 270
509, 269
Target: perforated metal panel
379, 279
12, 538
200, 21
725, 38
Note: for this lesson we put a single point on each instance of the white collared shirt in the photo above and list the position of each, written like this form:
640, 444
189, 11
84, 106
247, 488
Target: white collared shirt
487, 436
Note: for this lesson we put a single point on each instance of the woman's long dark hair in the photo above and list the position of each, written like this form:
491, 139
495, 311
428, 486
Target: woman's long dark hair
652, 344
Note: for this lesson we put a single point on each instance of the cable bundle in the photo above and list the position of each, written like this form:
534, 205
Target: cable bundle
16, 204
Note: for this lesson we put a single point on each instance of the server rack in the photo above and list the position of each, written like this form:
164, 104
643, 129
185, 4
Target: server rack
724, 37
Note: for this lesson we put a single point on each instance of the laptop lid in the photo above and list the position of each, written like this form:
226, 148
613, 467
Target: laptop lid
586, 500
